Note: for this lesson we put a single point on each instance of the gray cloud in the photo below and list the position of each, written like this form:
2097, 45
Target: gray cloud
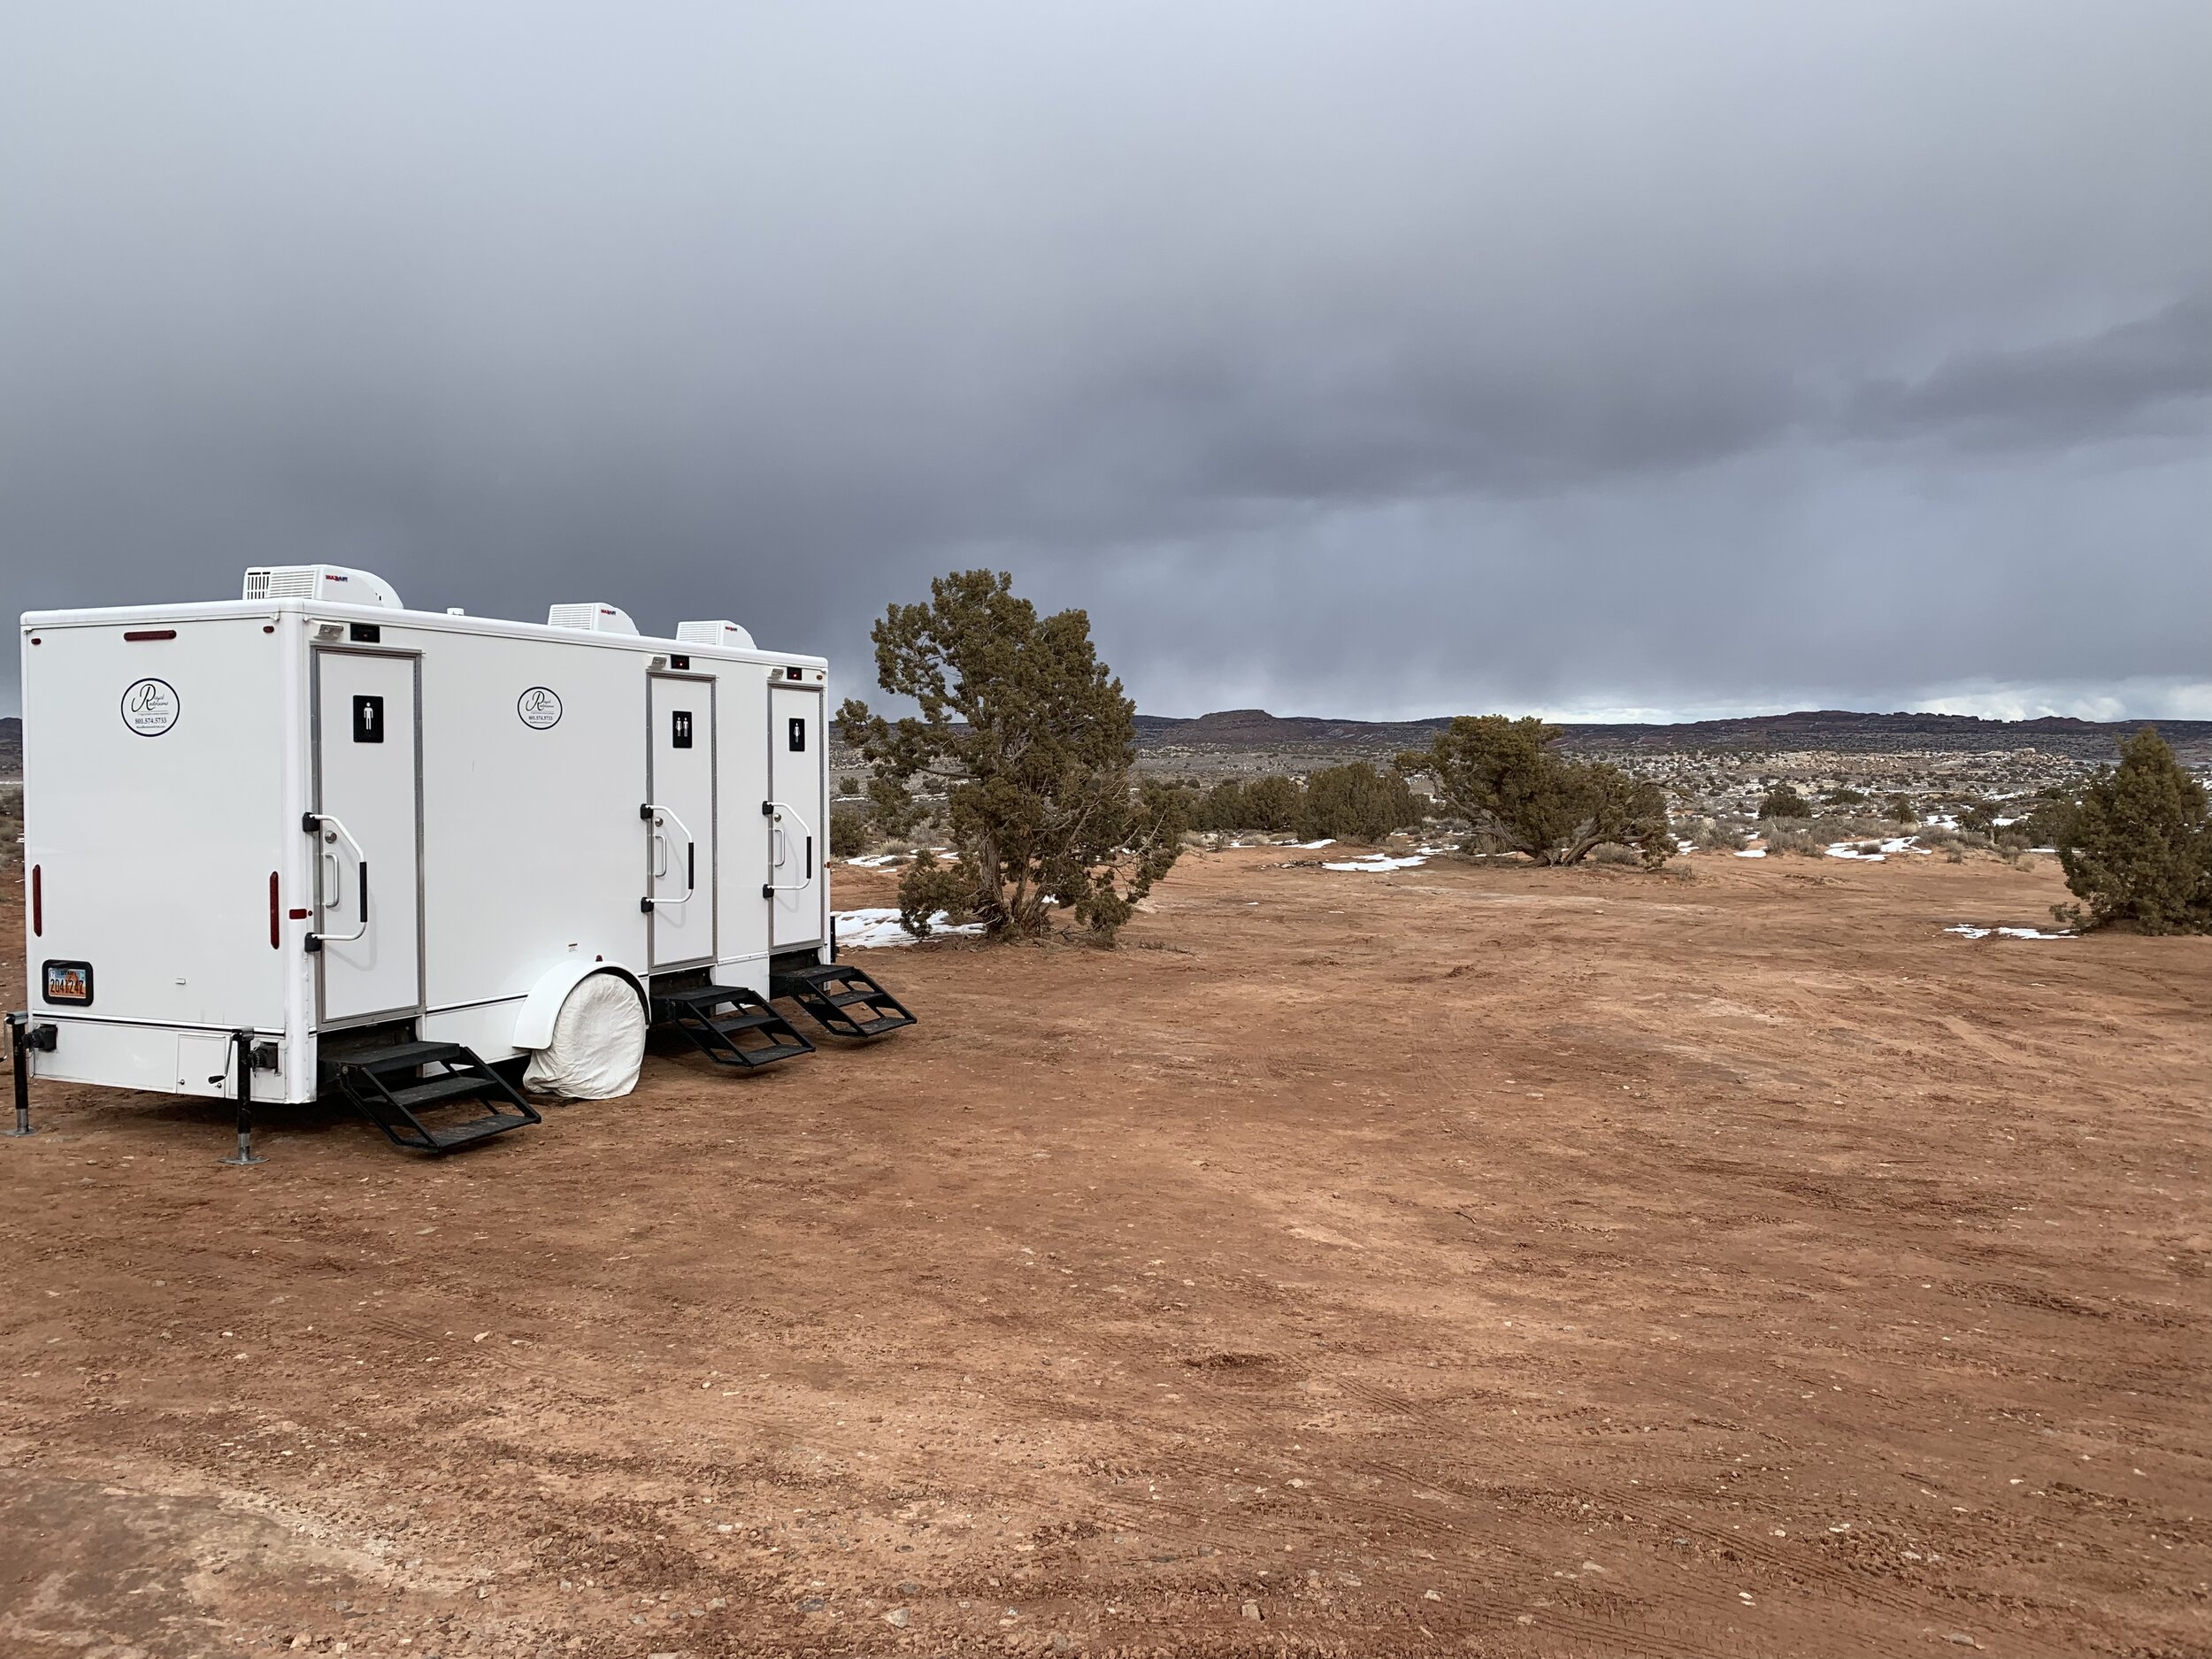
1391, 359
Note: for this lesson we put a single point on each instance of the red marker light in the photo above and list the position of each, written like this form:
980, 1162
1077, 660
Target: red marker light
276, 937
38, 901
150, 634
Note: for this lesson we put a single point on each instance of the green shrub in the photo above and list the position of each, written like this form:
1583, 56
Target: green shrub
1272, 805
1783, 801
1505, 780
2138, 847
1357, 802
926, 888
848, 832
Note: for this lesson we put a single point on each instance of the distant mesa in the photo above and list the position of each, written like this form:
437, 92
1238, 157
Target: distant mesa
1840, 729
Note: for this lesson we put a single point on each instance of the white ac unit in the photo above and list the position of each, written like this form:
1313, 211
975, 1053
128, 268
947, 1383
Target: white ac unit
725, 635
335, 584
592, 616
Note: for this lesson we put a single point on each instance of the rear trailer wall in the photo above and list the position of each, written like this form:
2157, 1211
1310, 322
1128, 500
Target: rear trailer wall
157, 760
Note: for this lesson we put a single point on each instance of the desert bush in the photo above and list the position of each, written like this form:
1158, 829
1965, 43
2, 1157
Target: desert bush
1845, 796
1977, 818
1781, 840
1033, 745
2138, 847
1357, 802
1219, 810
1901, 810
848, 832
1712, 835
1272, 803
2049, 820
849, 785
928, 889
1233, 806
1783, 801
1505, 779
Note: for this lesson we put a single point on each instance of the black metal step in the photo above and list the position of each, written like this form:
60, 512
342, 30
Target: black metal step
694, 1012
401, 1057
814, 989
445, 1137
452, 1085
387, 1086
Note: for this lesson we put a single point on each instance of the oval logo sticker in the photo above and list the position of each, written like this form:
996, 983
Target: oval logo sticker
540, 708
150, 707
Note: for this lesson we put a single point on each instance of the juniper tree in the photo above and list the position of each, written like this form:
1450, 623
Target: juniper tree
1783, 801
1505, 779
1031, 741
2138, 846
1357, 802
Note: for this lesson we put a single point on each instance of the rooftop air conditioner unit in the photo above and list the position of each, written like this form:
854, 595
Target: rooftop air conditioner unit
335, 584
592, 616
728, 635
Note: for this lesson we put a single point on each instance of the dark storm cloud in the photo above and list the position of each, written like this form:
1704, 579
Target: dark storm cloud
1347, 359
2138, 375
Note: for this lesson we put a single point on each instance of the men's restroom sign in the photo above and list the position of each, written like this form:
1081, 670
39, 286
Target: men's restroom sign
150, 707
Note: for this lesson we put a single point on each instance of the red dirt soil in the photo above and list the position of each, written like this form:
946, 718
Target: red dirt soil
1465, 1260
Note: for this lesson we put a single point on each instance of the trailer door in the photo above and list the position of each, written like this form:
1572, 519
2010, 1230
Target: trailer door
798, 832
680, 877
368, 834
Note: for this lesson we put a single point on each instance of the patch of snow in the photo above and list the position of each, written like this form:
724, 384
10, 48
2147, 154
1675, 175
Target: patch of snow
1850, 850
878, 928
1751, 852
1328, 841
1375, 864
2006, 932
875, 860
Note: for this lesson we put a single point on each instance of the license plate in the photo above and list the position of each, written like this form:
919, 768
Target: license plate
69, 982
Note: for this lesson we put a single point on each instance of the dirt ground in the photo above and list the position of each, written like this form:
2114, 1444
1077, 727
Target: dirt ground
1465, 1260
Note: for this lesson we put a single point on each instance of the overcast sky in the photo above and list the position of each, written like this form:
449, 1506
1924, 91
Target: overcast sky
1357, 358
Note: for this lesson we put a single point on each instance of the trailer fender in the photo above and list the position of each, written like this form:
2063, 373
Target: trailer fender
533, 1026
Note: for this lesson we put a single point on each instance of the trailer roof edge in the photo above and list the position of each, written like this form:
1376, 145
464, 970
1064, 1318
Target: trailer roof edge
214, 610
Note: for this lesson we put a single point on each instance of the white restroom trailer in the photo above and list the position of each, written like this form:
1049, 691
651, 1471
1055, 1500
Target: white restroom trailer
310, 839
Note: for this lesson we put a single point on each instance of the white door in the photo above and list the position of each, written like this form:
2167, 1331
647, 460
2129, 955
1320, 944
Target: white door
679, 830
368, 834
797, 833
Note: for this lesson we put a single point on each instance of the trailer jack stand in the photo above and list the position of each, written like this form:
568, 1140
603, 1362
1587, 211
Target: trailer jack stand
24, 1040
242, 1044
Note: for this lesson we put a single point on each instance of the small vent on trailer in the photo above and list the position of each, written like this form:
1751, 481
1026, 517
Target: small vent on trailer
335, 584
592, 616
728, 635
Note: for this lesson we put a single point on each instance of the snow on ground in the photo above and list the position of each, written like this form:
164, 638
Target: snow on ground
1328, 841
1882, 849
876, 861
878, 929
2006, 932
1751, 852
1374, 864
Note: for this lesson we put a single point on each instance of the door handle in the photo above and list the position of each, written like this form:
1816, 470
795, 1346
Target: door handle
313, 824
776, 812
653, 814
